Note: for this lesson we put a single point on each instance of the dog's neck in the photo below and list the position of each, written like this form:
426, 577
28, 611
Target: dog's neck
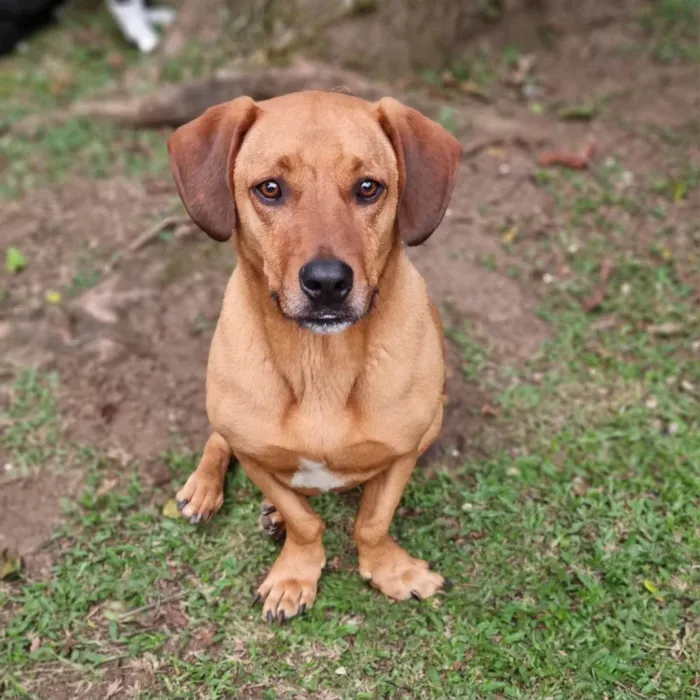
309, 362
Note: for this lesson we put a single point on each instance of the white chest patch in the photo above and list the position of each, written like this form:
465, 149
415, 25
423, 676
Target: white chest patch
315, 475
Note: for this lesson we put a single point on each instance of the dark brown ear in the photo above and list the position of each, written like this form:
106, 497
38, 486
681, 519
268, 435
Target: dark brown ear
428, 159
202, 154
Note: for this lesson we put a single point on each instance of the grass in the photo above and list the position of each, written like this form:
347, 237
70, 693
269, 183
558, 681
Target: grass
573, 547
673, 28
572, 554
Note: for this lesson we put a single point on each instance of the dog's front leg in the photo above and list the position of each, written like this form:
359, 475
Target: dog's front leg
203, 493
290, 586
383, 563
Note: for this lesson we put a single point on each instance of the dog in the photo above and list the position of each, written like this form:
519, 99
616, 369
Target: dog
326, 369
136, 20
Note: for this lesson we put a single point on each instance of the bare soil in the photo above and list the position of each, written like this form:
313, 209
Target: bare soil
130, 345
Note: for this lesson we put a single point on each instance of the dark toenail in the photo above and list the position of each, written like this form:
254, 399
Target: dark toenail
181, 504
257, 599
447, 585
196, 519
266, 510
302, 609
270, 616
416, 596
265, 521
281, 617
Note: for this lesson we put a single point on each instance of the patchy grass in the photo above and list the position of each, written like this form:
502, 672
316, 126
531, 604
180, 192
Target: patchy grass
673, 27
572, 556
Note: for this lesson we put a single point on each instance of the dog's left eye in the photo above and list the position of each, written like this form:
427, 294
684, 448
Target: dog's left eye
369, 190
270, 190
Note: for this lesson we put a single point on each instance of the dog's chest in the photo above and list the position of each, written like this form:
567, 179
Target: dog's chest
316, 475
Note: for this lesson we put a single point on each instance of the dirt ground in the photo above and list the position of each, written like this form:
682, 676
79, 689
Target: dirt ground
129, 340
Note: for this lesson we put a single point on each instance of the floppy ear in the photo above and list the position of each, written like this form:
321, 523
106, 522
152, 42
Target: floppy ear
428, 159
202, 154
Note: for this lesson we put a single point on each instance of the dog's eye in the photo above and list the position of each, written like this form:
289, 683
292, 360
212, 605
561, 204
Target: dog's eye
270, 189
369, 190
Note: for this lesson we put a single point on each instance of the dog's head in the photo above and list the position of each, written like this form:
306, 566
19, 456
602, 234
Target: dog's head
318, 188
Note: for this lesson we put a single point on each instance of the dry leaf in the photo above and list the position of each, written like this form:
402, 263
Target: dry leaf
511, 234
10, 565
577, 161
665, 329
489, 411
649, 585
170, 509
594, 301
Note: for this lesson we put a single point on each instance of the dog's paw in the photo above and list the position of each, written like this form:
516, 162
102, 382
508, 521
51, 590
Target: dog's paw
290, 587
397, 574
200, 497
271, 521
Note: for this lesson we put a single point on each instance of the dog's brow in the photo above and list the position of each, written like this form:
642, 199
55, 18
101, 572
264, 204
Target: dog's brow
284, 163
356, 165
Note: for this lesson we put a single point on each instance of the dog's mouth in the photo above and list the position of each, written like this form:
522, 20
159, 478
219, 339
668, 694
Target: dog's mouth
326, 321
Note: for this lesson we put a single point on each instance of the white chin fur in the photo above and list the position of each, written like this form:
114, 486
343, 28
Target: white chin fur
328, 328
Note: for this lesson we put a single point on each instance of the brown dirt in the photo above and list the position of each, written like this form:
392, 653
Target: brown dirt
131, 351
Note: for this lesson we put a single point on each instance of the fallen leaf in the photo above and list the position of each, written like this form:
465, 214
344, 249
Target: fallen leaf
333, 564
665, 329
577, 161
15, 261
596, 298
36, 643
649, 585
341, 671
472, 88
511, 234
113, 610
205, 636
112, 689
106, 486
581, 112
54, 297
497, 152
170, 509
524, 65
10, 565
680, 189
537, 108
489, 411
116, 60
579, 486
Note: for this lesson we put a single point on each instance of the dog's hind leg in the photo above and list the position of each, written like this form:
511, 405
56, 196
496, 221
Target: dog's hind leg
271, 521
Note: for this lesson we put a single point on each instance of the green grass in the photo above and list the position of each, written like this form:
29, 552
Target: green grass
573, 547
673, 28
573, 554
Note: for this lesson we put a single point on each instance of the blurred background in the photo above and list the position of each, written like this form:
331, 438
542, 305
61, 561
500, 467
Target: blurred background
563, 495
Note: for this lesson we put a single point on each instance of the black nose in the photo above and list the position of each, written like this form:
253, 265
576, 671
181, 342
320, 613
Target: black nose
326, 281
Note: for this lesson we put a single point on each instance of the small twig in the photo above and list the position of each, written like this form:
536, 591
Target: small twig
596, 298
152, 233
510, 191
477, 145
630, 690
150, 606
13, 479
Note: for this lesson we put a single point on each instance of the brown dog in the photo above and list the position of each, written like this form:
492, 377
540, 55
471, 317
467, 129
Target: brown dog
326, 369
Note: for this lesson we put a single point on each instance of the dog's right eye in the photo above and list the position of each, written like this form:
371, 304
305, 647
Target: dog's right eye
269, 190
